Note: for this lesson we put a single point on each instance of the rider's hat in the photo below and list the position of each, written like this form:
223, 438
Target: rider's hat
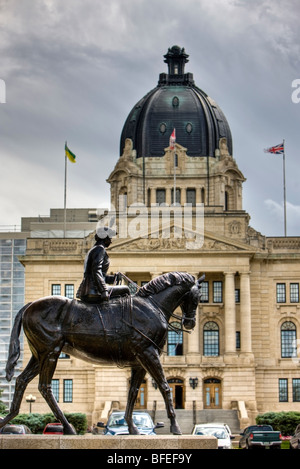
103, 232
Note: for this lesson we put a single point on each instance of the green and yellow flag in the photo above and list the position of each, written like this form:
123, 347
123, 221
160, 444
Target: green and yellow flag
69, 154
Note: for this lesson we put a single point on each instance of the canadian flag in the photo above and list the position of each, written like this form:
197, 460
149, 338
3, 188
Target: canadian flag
172, 140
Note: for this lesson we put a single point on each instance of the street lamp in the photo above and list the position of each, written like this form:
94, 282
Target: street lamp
30, 398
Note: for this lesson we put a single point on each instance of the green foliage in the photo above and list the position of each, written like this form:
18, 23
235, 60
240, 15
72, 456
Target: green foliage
34, 421
2, 405
285, 422
79, 422
37, 422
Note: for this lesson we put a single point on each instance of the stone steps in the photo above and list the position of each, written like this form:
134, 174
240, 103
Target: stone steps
185, 419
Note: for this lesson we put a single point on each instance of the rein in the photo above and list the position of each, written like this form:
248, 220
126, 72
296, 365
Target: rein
173, 315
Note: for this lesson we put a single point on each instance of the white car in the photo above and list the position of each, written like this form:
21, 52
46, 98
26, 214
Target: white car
218, 430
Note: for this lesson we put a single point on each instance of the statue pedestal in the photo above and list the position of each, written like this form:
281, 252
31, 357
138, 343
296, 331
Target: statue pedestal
167, 443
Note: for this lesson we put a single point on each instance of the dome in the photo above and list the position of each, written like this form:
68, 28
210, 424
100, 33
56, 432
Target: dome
176, 102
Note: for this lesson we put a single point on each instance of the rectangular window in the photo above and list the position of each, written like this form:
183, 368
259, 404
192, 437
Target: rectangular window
204, 292
56, 289
294, 292
160, 196
191, 197
55, 389
238, 340
280, 293
296, 390
283, 390
237, 295
217, 292
68, 390
69, 291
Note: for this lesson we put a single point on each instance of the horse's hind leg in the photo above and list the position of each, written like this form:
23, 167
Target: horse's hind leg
47, 370
30, 372
151, 362
137, 376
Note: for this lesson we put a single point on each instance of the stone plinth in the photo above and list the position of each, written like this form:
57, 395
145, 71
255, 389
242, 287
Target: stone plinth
122, 442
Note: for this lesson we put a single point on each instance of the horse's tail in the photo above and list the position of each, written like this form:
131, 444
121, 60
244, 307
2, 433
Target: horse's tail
14, 344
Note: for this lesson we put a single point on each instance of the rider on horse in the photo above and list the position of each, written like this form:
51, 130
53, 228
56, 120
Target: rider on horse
93, 288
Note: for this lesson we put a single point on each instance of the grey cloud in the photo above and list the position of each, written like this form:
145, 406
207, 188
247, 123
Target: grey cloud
74, 70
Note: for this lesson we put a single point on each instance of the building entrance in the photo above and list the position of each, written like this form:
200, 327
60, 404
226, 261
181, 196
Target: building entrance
212, 392
141, 400
177, 392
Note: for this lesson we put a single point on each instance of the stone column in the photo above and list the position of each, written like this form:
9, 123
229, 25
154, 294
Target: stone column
192, 340
245, 312
152, 196
230, 317
193, 346
169, 200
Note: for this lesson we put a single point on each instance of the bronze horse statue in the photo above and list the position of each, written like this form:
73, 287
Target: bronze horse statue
129, 331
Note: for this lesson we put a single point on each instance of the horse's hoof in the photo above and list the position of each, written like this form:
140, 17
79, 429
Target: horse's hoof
175, 429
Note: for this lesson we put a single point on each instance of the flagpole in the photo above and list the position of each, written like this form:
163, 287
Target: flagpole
65, 198
284, 190
174, 195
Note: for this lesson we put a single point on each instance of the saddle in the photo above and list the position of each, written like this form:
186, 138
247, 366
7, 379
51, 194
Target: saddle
113, 292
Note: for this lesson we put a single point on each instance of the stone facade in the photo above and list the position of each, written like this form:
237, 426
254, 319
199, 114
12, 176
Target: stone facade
239, 351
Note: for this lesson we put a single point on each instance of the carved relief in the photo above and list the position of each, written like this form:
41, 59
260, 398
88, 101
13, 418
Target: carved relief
173, 244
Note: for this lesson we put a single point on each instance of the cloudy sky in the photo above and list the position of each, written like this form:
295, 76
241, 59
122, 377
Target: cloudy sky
73, 70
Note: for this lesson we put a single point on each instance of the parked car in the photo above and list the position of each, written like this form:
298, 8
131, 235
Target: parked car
226, 427
55, 429
219, 430
116, 424
295, 439
11, 429
260, 436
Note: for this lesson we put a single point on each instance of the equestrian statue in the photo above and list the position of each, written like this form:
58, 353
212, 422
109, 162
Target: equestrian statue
103, 327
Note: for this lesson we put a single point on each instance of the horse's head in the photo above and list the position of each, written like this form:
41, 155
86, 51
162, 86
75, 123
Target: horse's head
190, 303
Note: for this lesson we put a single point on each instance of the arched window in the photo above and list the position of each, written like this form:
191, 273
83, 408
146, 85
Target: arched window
175, 342
211, 339
288, 340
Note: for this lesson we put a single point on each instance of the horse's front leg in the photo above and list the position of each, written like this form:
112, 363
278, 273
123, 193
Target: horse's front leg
137, 376
151, 361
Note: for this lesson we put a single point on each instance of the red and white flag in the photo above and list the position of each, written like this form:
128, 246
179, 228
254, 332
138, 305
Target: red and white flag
172, 140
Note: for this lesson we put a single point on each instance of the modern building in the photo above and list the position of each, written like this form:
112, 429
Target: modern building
243, 352
12, 289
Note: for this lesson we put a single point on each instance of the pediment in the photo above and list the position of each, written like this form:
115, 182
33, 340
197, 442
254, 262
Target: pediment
174, 239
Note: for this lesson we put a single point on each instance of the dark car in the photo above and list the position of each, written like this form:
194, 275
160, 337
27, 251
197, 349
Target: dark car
295, 439
260, 436
11, 429
117, 425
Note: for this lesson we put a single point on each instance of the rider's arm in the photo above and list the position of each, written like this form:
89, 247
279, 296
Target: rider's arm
99, 280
